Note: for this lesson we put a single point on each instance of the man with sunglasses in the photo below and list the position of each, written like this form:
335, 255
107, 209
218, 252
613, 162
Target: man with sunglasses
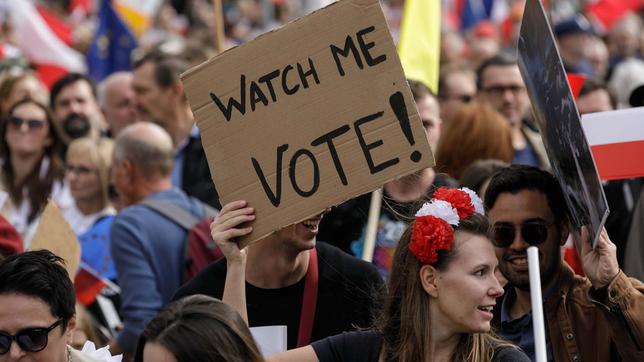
599, 317
37, 307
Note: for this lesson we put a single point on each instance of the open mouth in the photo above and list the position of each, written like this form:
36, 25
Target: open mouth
519, 261
486, 308
312, 224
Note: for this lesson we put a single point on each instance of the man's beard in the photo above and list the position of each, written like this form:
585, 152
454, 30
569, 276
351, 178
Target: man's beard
76, 126
522, 281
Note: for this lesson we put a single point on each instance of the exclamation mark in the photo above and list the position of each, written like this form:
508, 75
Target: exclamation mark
397, 103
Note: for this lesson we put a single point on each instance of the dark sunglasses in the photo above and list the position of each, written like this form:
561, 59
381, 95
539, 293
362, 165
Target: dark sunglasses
31, 123
29, 340
532, 232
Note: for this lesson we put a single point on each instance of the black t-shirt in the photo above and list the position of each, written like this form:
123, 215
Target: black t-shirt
348, 294
364, 346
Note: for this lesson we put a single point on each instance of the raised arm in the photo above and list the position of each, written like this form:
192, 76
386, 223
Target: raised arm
225, 228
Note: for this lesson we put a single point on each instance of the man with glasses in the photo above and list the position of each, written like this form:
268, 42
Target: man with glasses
36, 309
456, 87
500, 84
599, 317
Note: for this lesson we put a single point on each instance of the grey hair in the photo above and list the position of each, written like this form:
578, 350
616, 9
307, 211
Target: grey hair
146, 145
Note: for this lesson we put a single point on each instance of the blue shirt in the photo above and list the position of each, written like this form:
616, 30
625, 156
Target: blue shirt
520, 331
148, 252
526, 156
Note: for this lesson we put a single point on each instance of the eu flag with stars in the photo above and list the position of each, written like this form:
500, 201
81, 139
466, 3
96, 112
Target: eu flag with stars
112, 44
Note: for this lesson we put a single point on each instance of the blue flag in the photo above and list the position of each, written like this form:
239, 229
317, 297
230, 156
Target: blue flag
112, 44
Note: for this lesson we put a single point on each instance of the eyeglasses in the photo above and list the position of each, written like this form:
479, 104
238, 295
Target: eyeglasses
79, 170
33, 124
465, 98
29, 340
500, 89
532, 232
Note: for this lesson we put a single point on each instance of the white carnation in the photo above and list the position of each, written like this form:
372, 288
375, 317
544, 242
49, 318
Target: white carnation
101, 354
440, 209
476, 200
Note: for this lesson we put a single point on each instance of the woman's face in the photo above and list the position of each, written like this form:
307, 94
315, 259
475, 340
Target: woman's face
466, 290
83, 176
28, 130
155, 352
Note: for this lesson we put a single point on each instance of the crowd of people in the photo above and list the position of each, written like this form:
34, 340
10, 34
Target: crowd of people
449, 277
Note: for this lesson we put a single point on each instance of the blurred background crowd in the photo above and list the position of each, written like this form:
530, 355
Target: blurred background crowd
74, 73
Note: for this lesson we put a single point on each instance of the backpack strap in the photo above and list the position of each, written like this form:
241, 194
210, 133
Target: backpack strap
173, 212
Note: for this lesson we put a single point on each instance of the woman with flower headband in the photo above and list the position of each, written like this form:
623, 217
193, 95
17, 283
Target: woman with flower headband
441, 294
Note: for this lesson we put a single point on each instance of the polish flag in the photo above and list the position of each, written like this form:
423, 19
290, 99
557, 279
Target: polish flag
609, 12
616, 139
40, 45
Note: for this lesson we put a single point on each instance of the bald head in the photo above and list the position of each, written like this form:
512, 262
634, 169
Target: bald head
147, 146
116, 99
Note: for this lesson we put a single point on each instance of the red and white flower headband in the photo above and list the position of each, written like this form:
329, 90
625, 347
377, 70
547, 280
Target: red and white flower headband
433, 226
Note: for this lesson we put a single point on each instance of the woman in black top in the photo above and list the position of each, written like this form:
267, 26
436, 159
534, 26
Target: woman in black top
441, 294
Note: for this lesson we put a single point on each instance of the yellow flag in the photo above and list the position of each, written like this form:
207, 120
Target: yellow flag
419, 46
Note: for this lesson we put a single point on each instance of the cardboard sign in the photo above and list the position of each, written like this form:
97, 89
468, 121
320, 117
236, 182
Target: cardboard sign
308, 116
556, 113
55, 234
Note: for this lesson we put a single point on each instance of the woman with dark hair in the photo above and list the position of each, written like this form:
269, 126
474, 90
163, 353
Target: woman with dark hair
441, 292
32, 171
199, 328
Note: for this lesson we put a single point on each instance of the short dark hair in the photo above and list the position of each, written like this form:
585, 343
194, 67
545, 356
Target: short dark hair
201, 328
167, 67
419, 90
592, 85
65, 81
517, 178
42, 275
498, 60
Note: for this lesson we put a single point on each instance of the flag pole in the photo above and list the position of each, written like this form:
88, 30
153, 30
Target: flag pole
220, 37
537, 305
372, 226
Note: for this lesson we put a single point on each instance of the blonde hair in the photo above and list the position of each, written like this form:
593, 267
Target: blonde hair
100, 152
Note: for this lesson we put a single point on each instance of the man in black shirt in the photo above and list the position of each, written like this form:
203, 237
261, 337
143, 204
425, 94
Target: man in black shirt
278, 274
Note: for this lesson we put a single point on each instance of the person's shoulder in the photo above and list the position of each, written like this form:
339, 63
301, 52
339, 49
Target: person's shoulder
363, 346
341, 262
509, 354
210, 281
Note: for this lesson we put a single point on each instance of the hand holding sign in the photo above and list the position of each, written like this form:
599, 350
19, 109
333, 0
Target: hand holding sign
599, 263
308, 116
225, 228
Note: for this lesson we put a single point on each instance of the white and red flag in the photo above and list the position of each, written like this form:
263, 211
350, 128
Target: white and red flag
40, 44
616, 139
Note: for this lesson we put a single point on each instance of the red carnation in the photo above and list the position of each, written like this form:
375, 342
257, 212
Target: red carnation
460, 200
430, 234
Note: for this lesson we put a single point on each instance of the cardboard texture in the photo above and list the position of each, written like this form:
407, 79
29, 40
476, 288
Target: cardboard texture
556, 114
308, 116
55, 234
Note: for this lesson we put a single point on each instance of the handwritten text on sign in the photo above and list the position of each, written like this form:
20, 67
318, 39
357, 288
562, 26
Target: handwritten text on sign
308, 116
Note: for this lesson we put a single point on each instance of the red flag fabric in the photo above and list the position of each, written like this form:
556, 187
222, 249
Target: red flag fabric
609, 12
576, 82
87, 285
57, 25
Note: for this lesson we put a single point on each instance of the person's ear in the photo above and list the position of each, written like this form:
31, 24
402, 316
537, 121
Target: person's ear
69, 331
429, 279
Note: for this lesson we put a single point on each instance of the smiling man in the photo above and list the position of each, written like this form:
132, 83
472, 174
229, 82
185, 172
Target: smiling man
315, 289
595, 318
